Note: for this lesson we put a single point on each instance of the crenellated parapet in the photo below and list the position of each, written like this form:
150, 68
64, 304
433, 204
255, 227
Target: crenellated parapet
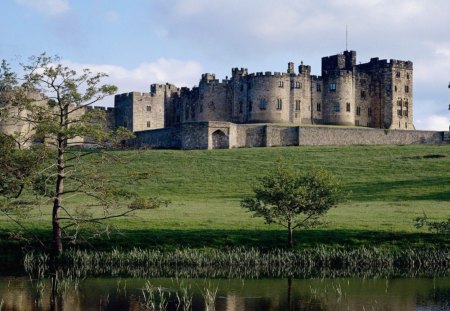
344, 94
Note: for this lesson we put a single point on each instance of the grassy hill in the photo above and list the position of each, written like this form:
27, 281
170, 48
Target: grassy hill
389, 186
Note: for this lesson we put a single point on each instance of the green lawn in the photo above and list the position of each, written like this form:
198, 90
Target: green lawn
389, 186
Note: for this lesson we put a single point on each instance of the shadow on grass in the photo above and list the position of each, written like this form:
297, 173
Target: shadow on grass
405, 190
264, 239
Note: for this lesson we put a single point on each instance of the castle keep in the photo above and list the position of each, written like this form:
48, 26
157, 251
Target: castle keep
377, 94
370, 103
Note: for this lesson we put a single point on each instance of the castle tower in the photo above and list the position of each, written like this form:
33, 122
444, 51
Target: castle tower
238, 95
339, 88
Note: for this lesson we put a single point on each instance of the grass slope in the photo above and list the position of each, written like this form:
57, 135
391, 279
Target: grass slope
389, 186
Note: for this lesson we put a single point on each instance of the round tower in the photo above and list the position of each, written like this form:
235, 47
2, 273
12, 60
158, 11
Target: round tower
339, 103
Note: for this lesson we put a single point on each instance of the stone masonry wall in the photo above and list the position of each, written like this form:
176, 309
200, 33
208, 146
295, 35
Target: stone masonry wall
169, 138
281, 136
204, 135
313, 136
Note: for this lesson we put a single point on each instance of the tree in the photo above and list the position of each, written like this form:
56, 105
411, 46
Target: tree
52, 100
294, 200
442, 227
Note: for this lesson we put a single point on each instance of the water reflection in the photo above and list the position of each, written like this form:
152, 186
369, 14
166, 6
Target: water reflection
22, 293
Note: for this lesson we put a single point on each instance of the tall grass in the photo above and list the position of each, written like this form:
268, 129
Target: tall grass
253, 263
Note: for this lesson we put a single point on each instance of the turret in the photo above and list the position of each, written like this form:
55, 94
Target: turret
291, 68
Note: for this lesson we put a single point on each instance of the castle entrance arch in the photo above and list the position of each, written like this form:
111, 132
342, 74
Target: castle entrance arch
220, 140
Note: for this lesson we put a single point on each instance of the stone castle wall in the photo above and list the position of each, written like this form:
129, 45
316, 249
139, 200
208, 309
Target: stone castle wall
213, 135
376, 94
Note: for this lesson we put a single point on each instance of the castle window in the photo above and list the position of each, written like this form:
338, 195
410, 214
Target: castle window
348, 107
395, 88
407, 76
332, 87
369, 112
406, 125
148, 124
319, 107
397, 74
279, 104
363, 94
358, 111
149, 108
406, 89
298, 85
337, 107
263, 104
318, 87
406, 107
281, 84
297, 104
250, 106
399, 107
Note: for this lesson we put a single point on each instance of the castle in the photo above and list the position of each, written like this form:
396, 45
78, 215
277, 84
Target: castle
370, 103
377, 94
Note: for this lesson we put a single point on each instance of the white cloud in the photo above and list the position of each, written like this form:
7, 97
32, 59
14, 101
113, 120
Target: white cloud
433, 123
48, 7
178, 72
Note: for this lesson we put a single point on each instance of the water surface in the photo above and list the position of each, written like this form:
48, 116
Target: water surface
23, 293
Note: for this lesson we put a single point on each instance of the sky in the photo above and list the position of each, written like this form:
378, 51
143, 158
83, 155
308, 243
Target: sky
140, 42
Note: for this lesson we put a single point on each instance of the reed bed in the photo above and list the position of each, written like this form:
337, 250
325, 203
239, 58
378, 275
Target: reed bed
320, 261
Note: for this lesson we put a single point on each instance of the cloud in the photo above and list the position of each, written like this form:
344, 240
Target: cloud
307, 27
434, 123
47, 7
174, 71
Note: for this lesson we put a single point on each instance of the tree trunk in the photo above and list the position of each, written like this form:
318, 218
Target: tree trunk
289, 293
290, 239
57, 247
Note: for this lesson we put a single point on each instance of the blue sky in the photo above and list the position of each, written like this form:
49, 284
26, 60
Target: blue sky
139, 42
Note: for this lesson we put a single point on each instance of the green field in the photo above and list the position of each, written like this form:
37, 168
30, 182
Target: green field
389, 186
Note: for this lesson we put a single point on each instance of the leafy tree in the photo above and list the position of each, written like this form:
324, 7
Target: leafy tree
52, 100
442, 227
293, 200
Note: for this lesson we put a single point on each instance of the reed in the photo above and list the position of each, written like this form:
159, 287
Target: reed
155, 298
320, 261
184, 296
209, 294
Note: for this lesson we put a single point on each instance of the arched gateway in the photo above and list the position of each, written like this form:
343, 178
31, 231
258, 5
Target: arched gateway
220, 140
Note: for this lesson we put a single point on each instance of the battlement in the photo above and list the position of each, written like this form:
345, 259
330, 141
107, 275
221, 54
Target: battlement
344, 61
304, 69
239, 72
376, 63
130, 95
107, 109
291, 68
207, 77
